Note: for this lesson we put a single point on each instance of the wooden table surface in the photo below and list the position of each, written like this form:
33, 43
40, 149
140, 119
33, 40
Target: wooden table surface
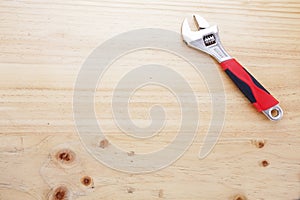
43, 45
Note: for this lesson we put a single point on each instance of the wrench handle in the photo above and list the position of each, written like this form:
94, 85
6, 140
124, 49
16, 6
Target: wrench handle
261, 99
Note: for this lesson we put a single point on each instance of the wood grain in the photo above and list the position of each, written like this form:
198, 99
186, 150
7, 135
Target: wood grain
42, 47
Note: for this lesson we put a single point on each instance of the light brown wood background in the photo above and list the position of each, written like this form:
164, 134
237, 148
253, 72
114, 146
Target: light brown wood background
42, 47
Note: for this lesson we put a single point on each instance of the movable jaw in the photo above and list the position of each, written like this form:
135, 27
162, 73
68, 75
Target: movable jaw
189, 35
205, 39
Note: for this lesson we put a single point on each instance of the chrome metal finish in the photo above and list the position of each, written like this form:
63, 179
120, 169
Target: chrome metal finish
275, 113
206, 39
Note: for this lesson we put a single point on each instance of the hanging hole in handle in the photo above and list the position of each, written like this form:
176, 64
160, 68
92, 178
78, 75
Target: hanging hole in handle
275, 113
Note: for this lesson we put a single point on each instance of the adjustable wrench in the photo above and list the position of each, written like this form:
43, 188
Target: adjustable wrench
207, 39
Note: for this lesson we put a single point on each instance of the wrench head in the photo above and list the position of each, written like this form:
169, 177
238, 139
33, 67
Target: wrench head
206, 39
203, 29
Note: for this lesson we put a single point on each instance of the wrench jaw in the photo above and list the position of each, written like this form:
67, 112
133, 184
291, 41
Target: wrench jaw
200, 22
206, 39
189, 35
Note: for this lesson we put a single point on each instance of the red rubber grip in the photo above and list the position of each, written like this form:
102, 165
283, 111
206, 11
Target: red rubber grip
251, 88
